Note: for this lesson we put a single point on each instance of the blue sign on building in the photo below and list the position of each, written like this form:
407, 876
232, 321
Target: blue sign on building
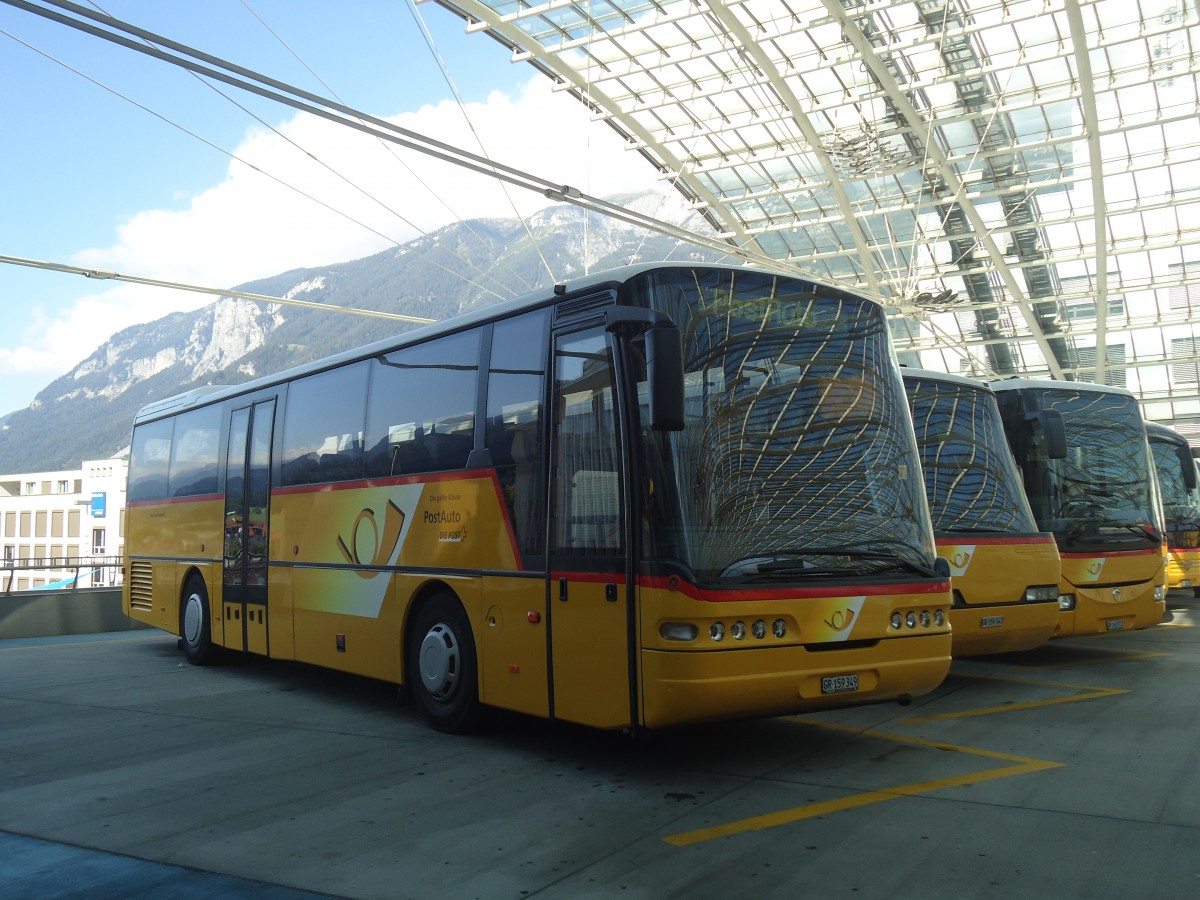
99, 504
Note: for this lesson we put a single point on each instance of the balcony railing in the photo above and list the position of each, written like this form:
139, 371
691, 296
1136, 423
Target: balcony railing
65, 571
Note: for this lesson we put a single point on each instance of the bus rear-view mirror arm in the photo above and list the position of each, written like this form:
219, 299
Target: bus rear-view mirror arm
1051, 423
664, 361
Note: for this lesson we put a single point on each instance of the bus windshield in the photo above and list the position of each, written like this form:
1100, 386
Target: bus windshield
971, 480
798, 459
1102, 495
1181, 505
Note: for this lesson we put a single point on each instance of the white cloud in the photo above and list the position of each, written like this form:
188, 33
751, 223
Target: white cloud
251, 226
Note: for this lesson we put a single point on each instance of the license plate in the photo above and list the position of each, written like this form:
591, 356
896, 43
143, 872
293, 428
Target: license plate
1114, 624
1187, 582
838, 684
991, 621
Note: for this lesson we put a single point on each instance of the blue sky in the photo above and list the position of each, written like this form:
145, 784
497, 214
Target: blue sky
90, 179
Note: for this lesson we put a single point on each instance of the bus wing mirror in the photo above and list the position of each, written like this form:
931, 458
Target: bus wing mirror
1051, 423
664, 369
664, 360
1188, 465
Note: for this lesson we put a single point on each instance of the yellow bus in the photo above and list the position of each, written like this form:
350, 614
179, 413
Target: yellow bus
1091, 483
658, 495
1177, 484
1004, 570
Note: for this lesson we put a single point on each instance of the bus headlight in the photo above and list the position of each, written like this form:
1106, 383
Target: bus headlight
1045, 593
925, 618
939, 618
1160, 592
759, 629
716, 631
911, 619
678, 631
737, 631
779, 628
1066, 602
897, 620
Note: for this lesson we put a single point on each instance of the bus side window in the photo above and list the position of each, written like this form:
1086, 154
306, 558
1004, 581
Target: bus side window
421, 411
149, 461
516, 381
195, 453
323, 427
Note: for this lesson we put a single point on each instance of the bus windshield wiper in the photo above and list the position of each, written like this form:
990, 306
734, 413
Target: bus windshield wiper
972, 529
799, 563
1149, 532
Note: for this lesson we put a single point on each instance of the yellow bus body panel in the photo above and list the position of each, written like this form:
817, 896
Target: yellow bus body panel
1183, 568
169, 541
347, 561
703, 680
334, 551
1113, 592
512, 645
991, 575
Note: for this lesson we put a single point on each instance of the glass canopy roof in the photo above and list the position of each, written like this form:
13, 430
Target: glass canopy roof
1018, 182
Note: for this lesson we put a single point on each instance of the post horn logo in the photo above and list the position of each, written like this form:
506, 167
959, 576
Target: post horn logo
1095, 566
961, 558
368, 547
841, 619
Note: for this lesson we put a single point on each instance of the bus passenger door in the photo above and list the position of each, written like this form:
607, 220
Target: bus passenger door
588, 605
247, 524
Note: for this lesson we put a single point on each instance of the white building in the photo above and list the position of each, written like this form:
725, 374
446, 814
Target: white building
57, 525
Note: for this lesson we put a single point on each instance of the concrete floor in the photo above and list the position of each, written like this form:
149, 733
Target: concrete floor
1070, 771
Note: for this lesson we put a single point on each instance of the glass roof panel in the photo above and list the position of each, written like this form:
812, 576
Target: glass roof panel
1011, 178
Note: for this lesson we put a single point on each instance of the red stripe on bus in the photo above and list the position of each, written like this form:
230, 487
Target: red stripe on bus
1106, 554
971, 539
740, 595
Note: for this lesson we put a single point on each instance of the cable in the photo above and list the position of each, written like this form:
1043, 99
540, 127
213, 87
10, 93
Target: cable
105, 275
305, 101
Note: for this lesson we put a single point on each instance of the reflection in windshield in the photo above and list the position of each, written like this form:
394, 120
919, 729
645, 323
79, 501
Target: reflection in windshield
1102, 493
971, 480
797, 433
1181, 506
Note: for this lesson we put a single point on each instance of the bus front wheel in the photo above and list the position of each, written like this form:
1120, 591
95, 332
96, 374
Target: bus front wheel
195, 623
440, 660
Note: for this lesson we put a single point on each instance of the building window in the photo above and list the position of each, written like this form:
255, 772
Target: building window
31, 487
97, 542
64, 487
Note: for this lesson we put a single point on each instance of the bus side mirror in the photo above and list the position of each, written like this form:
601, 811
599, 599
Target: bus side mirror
1188, 465
1051, 423
664, 369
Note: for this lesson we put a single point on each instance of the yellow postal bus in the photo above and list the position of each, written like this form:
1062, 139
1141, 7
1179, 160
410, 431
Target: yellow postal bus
1092, 485
658, 495
1176, 470
1004, 570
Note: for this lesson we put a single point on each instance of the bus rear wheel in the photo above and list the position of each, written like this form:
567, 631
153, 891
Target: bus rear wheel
195, 623
441, 664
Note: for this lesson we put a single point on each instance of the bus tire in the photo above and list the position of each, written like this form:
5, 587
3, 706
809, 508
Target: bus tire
195, 623
441, 664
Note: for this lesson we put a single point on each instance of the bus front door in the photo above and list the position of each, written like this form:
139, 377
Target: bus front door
247, 527
588, 604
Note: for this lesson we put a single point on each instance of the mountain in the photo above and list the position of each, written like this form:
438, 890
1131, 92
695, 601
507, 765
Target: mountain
87, 413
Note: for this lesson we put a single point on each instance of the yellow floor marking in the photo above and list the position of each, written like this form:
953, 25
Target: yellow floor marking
71, 643
1093, 693
1023, 765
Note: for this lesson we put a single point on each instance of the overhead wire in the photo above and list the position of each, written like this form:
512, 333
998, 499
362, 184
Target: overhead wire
305, 101
391, 150
106, 275
248, 164
441, 63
